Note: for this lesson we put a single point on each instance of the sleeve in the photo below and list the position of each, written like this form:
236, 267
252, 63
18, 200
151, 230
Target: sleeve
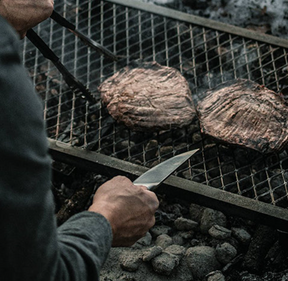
31, 246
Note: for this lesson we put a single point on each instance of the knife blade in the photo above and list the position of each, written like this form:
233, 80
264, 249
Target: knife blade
156, 175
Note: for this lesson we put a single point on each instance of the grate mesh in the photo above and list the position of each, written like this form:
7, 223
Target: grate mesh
206, 57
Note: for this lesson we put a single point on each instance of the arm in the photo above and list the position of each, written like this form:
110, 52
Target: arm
31, 246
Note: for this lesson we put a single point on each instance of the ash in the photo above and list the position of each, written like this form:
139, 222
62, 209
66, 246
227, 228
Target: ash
190, 242
268, 16
187, 242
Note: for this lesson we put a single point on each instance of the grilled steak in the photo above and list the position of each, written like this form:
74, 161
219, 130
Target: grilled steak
148, 96
243, 112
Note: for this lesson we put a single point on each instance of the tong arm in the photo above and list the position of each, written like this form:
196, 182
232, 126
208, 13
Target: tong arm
41, 46
72, 81
62, 21
86, 40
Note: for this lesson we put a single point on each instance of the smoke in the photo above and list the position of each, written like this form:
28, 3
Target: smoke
257, 12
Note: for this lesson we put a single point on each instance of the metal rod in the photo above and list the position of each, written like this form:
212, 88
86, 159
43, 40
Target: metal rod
193, 192
71, 80
204, 22
86, 40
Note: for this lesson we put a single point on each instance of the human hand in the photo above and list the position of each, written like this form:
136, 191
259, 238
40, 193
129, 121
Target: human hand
129, 208
25, 14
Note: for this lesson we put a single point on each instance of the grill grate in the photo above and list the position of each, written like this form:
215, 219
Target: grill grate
205, 56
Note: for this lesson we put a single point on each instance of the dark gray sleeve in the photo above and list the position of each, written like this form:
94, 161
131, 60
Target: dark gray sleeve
31, 247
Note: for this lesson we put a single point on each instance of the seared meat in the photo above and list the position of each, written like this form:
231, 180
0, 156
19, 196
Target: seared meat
148, 96
245, 113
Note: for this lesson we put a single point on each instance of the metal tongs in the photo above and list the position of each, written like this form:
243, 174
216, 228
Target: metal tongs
72, 81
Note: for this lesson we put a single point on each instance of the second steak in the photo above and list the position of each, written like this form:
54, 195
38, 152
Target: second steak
245, 113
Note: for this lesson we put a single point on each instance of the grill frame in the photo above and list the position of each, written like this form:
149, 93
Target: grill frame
197, 32
174, 186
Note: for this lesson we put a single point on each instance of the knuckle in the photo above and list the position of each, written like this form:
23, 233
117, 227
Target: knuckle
122, 178
155, 203
49, 8
151, 222
119, 179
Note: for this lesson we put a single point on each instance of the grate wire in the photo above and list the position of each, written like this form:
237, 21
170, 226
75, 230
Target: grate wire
205, 56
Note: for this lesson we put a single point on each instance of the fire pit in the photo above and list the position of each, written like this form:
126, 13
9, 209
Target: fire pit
207, 53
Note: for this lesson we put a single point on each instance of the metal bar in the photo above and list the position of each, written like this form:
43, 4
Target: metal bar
74, 70
226, 202
206, 57
153, 37
50, 65
253, 184
140, 36
270, 187
219, 55
45, 105
86, 40
102, 40
260, 63
86, 124
127, 36
274, 68
232, 56
284, 180
114, 36
246, 58
203, 22
166, 42
193, 55
71, 80
220, 170
88, 49
179, 48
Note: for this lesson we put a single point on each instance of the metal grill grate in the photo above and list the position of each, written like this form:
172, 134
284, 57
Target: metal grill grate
205, 56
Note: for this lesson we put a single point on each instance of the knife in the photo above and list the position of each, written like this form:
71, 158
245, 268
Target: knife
156, 175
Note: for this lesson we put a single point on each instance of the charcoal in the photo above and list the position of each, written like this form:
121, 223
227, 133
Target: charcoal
244, 113
146, 96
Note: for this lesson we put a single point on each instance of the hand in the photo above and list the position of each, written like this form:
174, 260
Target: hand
25, 14
129, 208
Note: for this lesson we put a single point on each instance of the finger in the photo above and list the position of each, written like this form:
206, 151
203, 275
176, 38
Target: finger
153, 198
150, 193
143, 187
151, 222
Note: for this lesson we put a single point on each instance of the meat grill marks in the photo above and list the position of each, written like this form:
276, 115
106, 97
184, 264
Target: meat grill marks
245, 113
148, 97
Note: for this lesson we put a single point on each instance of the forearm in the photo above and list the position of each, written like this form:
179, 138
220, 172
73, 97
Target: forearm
77, 240
31, 246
